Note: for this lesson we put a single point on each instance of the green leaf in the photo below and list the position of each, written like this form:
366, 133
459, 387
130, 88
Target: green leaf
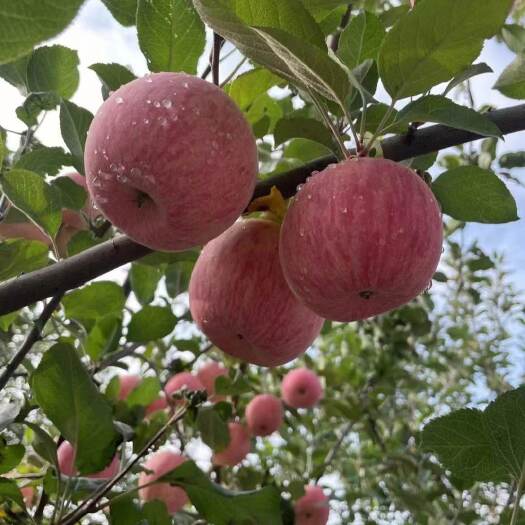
53, 69
7, 320
248, 86
69, 398
375, 113
178, 277
392, 15
435, 41
34, 104
156, 513
283, 37
504, 418
213, 429
124, 511
2, 151
25, 23
74, 124
124, 11
171, 34
112, 76
512, 80
319, 8
20, 256
145, 393
471, 194
512, 160
469, 72
144, 280
72, 195
151, 323
225, 386
223, 507
16, 73
94, 301
104, 337
10, 456
44, 160
299, 127
361, 39
43, 444
435, 108
310, 67
514, 36
9, 489
38, 200
462, 444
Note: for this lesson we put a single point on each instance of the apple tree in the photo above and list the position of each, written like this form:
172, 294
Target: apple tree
243, 291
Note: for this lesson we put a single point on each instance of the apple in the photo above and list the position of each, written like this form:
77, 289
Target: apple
66, 463
170, 160
207, 374
264, 414
237, 449
240, 300
312, 508
127, 383
301, 388
159, 404
161, 463
183, 381
28, 493
360, 238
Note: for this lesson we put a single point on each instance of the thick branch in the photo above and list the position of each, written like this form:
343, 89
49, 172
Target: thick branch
96, 261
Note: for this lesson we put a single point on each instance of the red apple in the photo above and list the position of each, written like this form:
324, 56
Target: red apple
28, 493
66, 463
312, 508
161, 463
264, 415
301, 388
240, 300
170, 160
127, 383
361, 238
159, 404
207, 374
237, 449
183, 381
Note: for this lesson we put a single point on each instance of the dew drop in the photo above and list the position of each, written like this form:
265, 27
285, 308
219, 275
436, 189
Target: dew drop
186, 85
300, 187
301, 233
146, 121
214, 144
309, 196
314, 173
148, 101
175, 118
197, 111
344, 210
102, 200
122, 178
134, 123
95, 152
119, 100
135, 172
148, 79
163, 121
167, 103
113, 167
107, 137
156, 104
229, 136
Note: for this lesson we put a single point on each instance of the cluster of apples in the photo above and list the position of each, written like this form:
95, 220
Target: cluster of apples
172, 162
264, 414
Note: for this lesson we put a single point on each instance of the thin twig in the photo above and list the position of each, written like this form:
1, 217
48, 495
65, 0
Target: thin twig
334, 41
89, 505
334, 450
218, 42
34, 335
235, 69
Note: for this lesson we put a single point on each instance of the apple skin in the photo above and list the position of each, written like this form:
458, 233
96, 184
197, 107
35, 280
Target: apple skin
361, 238
73, 219
161, 463
170, 160
264, 415
66, 463
237, 449
207, 375
312, 508
184, 380
28, 493
128, 383
240, 300
301, 388
159, 404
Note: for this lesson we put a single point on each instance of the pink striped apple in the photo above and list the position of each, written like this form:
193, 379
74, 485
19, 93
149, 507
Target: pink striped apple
301, 388
127, 383
66, 463
312, 508
361, 238
237, 449
240, 300
264, 415
170, 160
207, 374
161, 463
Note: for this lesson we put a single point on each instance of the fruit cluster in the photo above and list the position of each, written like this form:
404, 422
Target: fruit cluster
172, 162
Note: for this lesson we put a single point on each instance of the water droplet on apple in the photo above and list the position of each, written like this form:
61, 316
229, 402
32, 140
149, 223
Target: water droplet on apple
148, 79
167, 103
113, 167
186, 85
344, 210
135, 172
163, 121
119, 100
134, 123
146, 121
301, 233
122, 178
156, 104
300, 187
309, 196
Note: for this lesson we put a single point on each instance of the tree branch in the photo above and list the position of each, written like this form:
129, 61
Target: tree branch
34, 335
77, 270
